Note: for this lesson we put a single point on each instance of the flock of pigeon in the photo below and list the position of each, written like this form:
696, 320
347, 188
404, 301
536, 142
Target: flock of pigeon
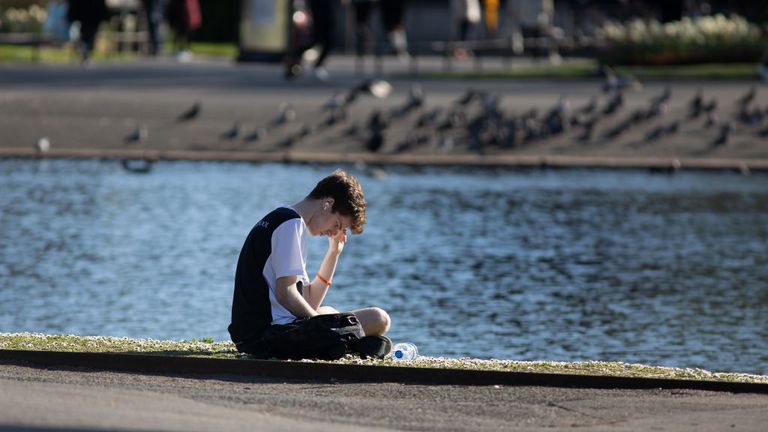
477, 120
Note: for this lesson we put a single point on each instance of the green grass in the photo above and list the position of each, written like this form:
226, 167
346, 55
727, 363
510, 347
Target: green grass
210, 49
206, 347
66, 54
588, 69
23, 54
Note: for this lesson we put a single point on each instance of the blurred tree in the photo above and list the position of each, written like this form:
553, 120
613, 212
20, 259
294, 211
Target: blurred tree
7, 4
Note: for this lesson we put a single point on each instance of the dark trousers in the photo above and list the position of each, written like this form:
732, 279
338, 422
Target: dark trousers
153, 9
322, 27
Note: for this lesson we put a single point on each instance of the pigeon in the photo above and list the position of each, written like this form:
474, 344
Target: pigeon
445, 143
711, 106
672, 128
287, 114
233, 132
43, 145
415, 100
588, 128
747, 98
711, 119
618, 129
376, 122
491, 103
589, 108
613, 82
452, 120
468, 97
414, 140
336, 116
654, 134
696, 105
664, 97
722, 138
614, 103
336, 101
191, 113
139, 135
256, 135
298, 136
555, 120
531, 128
657, 109
751, 117
763, 133
375, 142
377, 88
637, 116
429, 118
352, 130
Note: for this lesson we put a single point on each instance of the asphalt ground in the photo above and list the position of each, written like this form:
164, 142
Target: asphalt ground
79, 399
91, 111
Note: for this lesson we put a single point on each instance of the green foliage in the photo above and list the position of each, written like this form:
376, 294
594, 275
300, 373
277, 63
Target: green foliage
589, 69
22, 17
706, 39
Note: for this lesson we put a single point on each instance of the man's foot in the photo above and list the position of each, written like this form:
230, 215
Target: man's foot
321, 74
292, 71
373, 346
184, 56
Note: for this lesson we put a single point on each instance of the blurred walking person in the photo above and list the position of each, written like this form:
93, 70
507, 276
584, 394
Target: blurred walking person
393, 18
184, 17
466, 14
320, 43
89, 14
363, 32
153, 10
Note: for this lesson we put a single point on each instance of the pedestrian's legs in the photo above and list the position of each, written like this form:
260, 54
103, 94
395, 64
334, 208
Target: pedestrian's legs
154, 13
362, 26
322, 31
87, 38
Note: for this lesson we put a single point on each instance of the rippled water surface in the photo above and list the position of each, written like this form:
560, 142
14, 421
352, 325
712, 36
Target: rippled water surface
555, 265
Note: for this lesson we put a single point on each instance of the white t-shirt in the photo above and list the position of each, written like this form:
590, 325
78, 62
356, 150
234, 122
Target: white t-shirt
288, 258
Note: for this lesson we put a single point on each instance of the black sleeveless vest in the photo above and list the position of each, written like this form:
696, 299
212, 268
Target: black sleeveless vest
251, 309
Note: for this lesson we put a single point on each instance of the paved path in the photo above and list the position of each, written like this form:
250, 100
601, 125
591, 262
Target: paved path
35, 399
97, 107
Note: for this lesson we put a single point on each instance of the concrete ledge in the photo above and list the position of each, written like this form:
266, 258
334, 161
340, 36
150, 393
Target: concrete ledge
353, 373
495, 160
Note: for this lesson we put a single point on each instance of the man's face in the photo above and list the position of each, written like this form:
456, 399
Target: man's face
331, 223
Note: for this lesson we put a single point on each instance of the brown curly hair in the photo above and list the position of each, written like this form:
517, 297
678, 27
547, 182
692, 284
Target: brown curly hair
347, 194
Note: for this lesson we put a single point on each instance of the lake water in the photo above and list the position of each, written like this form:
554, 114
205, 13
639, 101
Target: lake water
515, 264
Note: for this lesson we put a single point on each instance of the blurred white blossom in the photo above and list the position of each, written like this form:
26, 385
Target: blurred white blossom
20, 20
712, 35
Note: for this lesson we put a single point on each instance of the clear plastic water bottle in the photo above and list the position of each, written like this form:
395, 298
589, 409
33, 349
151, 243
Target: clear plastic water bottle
404, 351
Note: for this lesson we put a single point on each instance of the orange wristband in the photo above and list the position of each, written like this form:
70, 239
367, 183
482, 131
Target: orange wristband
324, 280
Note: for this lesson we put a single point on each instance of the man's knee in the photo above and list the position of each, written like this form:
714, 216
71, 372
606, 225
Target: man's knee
325, 310
378, 321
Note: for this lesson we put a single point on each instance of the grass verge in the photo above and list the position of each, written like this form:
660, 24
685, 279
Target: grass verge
210, 349
66, 54
580, 69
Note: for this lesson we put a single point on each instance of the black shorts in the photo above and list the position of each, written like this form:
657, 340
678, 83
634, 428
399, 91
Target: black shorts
323, 337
